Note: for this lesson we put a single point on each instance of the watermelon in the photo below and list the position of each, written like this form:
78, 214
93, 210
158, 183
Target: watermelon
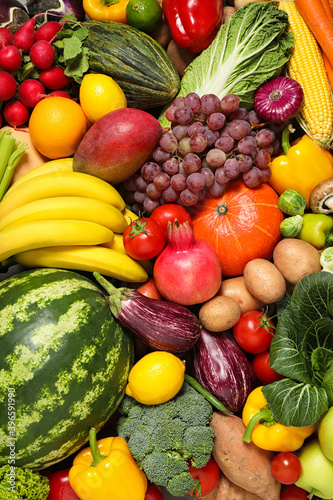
64, 365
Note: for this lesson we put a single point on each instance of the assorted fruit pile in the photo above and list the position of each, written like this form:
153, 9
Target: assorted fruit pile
166, 247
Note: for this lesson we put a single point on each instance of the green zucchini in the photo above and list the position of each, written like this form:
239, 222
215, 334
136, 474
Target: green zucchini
137, 62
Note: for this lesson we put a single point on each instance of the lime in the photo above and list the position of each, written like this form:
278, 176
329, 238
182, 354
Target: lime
144, 15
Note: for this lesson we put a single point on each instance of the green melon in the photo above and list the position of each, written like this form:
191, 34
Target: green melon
64, 364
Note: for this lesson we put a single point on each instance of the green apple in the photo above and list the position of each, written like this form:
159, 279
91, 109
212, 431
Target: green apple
325, 433
317, 470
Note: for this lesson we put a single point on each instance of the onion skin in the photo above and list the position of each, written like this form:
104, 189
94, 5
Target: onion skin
159, 324
222, 368
279, 99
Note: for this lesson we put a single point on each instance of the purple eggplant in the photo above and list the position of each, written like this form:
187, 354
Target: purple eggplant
56, 9
12, 12
223, 369
159, 324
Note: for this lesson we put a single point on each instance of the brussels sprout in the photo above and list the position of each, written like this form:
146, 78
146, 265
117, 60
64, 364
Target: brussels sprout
291, 202
291, 226
326, 259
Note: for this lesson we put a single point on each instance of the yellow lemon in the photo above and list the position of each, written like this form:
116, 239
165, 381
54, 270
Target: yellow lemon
100, 94
155, 378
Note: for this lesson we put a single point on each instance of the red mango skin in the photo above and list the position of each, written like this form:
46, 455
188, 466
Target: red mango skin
117, 145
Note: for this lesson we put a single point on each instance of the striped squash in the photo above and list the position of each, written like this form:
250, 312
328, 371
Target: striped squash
64, 359
137, 62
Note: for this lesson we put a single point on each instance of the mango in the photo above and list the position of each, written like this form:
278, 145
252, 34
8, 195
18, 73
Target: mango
117, 145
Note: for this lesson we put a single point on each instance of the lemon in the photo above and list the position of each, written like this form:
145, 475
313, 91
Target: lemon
100, 94
145, 15
155, 378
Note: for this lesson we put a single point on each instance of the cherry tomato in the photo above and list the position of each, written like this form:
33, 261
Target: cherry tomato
208, 477
254, 331
144, 239
293, 492
264, 373
153, 492
169, 212
286, 467
60, 489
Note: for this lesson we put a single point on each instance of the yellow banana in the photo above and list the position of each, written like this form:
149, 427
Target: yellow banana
117, 244
60, 165
61, 184
86, 258
46, 233
129, 215
66, 207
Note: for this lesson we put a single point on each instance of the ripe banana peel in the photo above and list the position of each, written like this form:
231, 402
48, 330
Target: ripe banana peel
86, 258
47, 233
61, 184
117, 244
66, 207
60, 165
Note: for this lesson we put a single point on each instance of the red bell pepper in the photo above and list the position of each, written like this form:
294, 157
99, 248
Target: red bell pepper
60, 489
193, 23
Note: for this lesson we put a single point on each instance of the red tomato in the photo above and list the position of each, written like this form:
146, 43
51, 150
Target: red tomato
153, 492
254, 331
144, 239
169, 212
293, 492
286, 467
208, 477
60, 489
264, 373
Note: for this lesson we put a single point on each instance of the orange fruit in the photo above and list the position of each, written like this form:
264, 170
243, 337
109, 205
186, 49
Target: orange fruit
57, 126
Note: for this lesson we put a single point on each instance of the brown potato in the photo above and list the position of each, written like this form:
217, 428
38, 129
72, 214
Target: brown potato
180, 57
162, 33
228, 11
264, 280
295, 259
219, 313
235, 288
240, 3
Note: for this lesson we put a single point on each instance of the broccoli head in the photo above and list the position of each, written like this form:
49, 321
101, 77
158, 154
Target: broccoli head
164, 439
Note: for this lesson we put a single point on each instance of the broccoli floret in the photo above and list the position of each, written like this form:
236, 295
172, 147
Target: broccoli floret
164, 439
17, 483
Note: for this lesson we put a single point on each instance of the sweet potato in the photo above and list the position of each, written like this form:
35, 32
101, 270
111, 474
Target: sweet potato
244, 464
226, 490
181, 57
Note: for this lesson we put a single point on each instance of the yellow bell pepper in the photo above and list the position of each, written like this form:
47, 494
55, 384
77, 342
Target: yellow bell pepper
302, 166
264, 431
106, 10
107, 470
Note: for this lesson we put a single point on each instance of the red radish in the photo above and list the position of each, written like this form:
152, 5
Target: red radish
15, 113
54, 78
42, 54
25, 35
30, 92
59, 93
10, 58
188, 270
48, 31
7, 86
6, 37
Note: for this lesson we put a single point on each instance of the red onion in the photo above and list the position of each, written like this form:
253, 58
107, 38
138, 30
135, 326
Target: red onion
279, 99
188, 270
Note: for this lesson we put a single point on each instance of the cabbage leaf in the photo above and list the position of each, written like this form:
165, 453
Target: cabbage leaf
302, 351
250, 48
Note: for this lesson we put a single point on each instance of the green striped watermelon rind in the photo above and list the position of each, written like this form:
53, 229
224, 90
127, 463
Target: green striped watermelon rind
66, 360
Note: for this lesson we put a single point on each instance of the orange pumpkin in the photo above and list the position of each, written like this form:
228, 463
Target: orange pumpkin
242, 224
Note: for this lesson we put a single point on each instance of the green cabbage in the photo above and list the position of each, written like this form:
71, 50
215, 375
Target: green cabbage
250, 48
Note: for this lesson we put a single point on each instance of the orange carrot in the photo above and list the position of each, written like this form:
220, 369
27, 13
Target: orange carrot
329, 69
321, 25
327, 8
331, 6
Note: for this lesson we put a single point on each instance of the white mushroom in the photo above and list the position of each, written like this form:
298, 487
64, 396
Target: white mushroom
321, 197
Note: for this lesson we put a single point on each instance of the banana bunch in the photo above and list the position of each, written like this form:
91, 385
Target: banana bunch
54, 217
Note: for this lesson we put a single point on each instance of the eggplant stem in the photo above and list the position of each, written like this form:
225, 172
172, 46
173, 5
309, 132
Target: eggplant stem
212, 399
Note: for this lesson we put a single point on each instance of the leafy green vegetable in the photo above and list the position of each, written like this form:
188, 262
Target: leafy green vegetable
302, 351
249, 49
17, 483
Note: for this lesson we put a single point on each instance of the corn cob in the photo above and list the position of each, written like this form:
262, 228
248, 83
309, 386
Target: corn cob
306, 66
